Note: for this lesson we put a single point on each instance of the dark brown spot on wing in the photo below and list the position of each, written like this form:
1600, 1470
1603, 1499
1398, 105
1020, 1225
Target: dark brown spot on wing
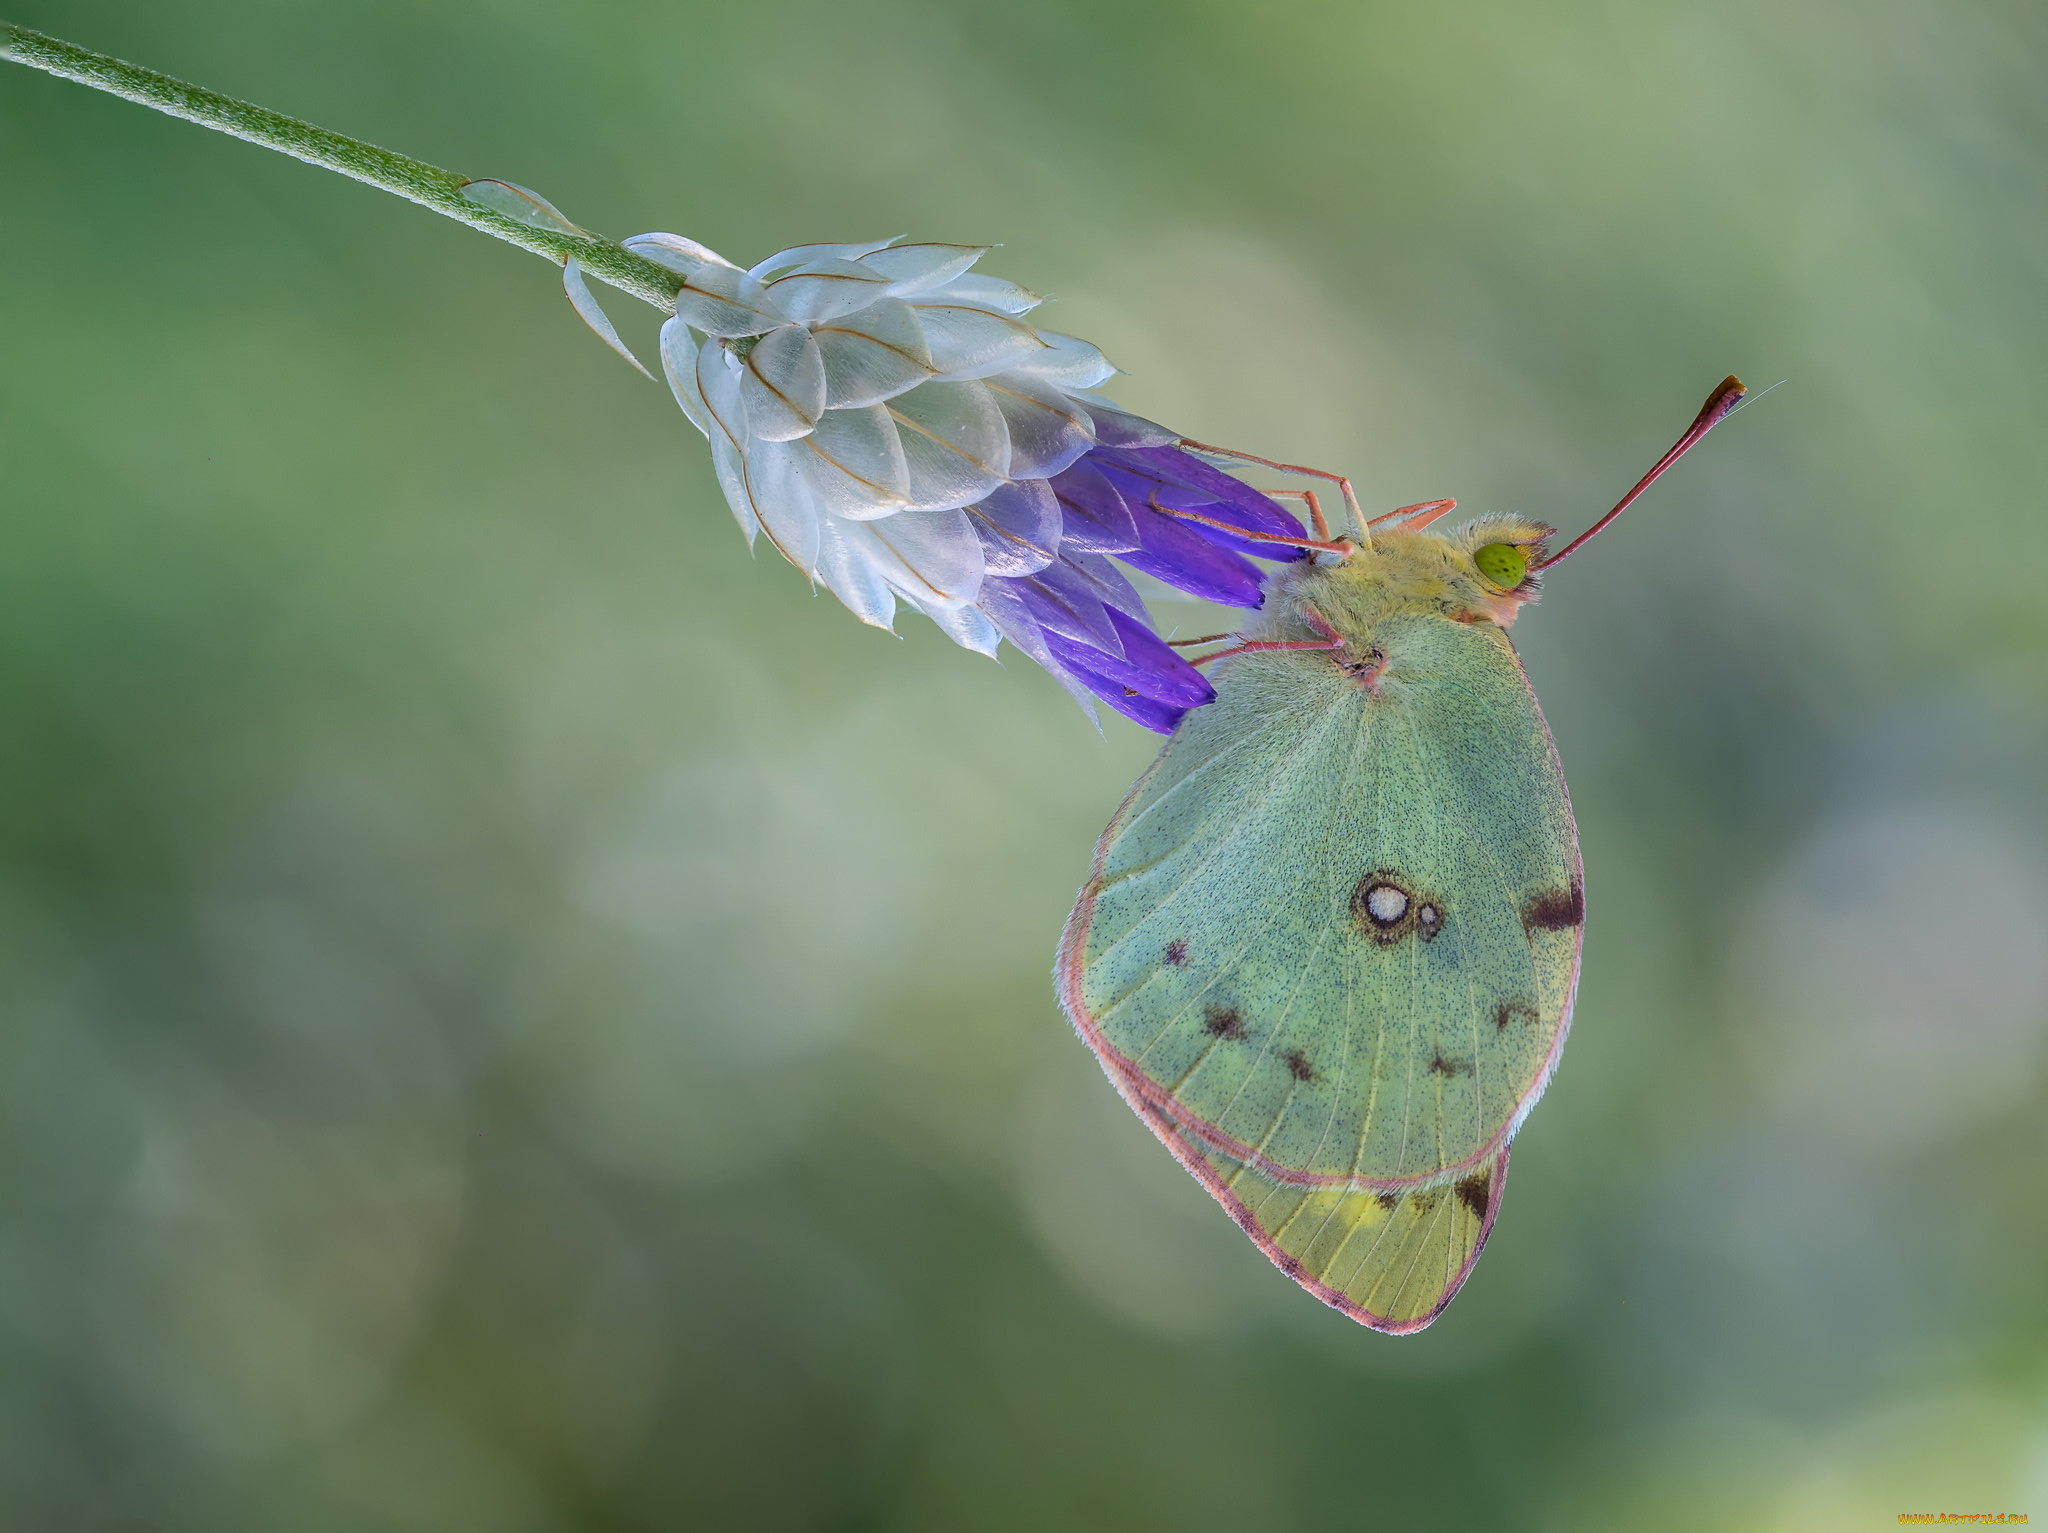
1176, 952
1426, 1202
1510, 1011
1449, 1067
1555, 909
1222, 1022
1298, 1065
1476, 1193
1387, 1200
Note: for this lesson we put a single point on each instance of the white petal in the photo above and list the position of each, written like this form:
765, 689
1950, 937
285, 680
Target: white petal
783, 384
584, 302
856, 463
920, 268
1048, 431
519, 205
803, 255
847, 564
679, 362
1068, 362
972, 343
938, 555
1019, 527
674, 252
789, 513
954, 443
720, 300
718, 385
968, 628
824, 290
732, 478
931, 559
874, 354
979, 292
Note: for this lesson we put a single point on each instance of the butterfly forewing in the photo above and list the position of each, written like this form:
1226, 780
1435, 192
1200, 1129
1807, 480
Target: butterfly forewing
1332, 935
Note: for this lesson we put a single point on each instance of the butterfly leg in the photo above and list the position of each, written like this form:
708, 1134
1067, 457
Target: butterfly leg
1241, 532
1307, 498
1343, 484
1257, 646
1414, 518
1331, 639
1322, 625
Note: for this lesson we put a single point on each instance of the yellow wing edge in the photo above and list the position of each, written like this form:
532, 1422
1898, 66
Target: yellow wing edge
1436, 1220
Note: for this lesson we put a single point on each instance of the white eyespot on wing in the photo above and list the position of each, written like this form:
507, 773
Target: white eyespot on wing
1387, 904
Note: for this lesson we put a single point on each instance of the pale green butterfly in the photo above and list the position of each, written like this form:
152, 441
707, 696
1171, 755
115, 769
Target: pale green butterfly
1330, 944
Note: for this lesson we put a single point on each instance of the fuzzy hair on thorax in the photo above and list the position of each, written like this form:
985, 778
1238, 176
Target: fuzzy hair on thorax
1403, 572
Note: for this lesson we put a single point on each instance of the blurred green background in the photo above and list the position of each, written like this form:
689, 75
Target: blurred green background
514, 1016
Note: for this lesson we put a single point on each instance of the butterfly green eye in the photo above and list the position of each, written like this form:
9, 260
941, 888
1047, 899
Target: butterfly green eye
1502, 564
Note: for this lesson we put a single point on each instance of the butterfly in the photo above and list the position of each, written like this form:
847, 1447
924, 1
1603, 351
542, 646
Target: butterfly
1330, 942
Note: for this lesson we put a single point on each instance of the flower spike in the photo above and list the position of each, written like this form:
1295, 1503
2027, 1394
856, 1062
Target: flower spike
883, 413
887, 417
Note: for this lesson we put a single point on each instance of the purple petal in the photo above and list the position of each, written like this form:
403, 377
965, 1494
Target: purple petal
1280, 553
1151, 670
1002, 599
1143, 484
1005, 604
1173, 680
1056, 619
1260, 513
1060, 601
1120, 428
1114, 681
1019, 527
1107, 582
1180, 557
1093, 515
1002, 602
1157, 716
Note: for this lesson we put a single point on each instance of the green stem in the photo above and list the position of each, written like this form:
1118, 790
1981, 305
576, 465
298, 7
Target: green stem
428, 185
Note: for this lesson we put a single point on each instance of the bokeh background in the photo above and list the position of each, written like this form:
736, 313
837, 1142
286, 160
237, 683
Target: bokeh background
515, 1016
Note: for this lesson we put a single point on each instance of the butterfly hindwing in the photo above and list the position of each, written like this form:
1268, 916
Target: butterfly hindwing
1390, 1259
1332, 935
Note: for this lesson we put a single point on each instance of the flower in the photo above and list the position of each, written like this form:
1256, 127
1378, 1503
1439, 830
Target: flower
885, 417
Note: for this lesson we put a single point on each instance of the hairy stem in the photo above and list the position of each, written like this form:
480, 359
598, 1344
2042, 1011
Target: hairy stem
428, 185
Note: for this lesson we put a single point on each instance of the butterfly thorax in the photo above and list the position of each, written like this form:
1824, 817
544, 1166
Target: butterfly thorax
1404, 573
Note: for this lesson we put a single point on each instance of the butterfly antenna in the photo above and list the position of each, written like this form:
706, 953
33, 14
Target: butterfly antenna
1753, 398
1720, 404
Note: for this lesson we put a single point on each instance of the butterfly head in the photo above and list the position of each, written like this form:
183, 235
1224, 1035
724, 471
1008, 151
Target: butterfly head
1501, 558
